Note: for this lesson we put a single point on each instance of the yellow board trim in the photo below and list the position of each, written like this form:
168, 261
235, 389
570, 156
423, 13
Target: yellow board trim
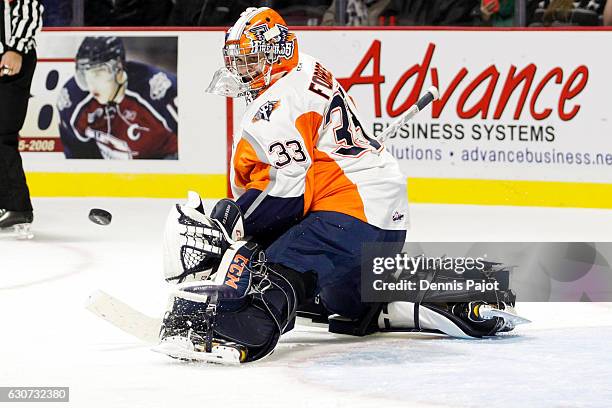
510, 192
125, 185
420, 190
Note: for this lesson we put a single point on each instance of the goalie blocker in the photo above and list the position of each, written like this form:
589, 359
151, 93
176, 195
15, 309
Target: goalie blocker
231, 304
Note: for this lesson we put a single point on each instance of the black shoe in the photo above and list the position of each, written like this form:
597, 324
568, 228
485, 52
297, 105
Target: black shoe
10, 218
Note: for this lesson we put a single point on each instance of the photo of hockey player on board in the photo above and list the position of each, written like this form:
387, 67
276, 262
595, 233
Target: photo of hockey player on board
117, 108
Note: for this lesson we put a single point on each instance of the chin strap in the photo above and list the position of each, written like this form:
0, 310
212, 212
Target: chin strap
120, 86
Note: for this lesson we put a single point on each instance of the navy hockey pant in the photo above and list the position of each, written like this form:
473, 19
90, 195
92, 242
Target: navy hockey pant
330, 245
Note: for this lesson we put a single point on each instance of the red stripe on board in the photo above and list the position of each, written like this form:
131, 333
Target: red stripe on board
229, 103
449, 28
334, 28
56, 60
133, 29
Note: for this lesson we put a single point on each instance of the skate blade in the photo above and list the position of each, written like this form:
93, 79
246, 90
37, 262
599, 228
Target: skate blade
19, 231
182, 349
488, 312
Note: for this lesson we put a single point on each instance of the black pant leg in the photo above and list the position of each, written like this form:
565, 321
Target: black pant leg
14, 98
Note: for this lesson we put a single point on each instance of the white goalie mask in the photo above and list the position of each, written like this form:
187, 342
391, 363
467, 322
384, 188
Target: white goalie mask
258, 50
194, 242
228, 84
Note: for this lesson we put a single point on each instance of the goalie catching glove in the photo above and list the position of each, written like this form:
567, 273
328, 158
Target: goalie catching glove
194, 243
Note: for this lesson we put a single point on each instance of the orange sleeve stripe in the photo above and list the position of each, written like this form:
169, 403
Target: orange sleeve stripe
308, 125
249, 171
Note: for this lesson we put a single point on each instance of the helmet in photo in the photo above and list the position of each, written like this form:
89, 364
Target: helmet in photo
259, 49
103, 53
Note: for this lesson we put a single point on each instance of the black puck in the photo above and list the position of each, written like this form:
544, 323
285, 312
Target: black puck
100, 217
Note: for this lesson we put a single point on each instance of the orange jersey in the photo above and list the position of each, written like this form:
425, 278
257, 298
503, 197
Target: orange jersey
301, 147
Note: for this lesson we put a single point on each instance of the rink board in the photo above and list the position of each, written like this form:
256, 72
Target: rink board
527, 125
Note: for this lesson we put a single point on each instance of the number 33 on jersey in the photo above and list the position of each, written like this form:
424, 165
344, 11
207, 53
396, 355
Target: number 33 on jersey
301, 147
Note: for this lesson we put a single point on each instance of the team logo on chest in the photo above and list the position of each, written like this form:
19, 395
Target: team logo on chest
265, 111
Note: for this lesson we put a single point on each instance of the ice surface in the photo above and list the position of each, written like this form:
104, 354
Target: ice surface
564, 358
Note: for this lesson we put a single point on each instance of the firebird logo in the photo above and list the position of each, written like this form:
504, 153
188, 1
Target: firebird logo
265, 111
283, 47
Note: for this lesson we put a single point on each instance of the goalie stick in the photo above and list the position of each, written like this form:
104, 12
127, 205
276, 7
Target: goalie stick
431, 95
124, 317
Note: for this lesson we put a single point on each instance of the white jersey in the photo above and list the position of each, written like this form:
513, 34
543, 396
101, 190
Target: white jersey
302, 138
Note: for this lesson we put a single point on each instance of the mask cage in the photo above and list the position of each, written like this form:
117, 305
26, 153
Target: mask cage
251, 65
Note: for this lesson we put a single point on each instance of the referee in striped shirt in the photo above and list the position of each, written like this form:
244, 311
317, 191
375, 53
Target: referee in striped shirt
20, 20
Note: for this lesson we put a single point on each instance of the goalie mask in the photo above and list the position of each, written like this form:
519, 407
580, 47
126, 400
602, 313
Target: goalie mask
195, 243
259, 49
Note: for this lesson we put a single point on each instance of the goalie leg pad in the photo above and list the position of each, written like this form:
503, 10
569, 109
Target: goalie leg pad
451, 311
248, 303
450, 319
401, 315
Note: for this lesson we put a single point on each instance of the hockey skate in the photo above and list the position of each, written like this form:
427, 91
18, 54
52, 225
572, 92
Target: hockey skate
192, 348
502, 318
186, 338
16, 223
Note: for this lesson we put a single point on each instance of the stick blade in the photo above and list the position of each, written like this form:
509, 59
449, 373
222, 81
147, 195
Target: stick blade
124, 317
